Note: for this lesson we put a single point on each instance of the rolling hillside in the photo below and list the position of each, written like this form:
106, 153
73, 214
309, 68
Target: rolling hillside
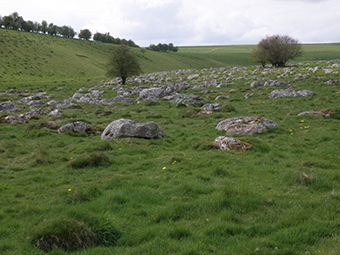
28, 58
66, 191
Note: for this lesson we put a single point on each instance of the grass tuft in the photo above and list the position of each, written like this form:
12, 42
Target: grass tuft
93, 160
180, 233
72, 234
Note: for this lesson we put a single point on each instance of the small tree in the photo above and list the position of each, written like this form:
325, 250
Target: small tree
44, 27
276, 50
85, 34
123, 63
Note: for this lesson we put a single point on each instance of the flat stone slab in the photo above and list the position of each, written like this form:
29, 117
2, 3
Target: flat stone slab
248, 125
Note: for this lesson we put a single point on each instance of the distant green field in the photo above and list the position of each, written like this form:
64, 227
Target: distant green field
28, 58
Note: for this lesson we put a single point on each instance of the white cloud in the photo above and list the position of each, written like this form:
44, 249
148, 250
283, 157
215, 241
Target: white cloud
191, 22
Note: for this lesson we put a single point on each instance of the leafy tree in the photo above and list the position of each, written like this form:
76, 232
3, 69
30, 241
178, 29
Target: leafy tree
52, 29
44, 27
123, 63
27, 26
36, 27
67, 31
16, 21
276, 50
163, 47
85, 34
7, 22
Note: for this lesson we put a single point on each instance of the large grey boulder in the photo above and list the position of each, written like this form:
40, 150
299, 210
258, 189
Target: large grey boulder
290, 93
249, 125
125, 128
77, 126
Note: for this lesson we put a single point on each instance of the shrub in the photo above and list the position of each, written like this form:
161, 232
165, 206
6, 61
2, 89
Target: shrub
277, 50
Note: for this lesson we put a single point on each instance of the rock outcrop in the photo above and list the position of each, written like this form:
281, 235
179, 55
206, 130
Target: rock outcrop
78, 126
125, 128
9, 107
290, 93
230, 143
249, 125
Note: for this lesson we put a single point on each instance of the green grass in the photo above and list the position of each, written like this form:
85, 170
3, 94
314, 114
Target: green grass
281, 197
30, 59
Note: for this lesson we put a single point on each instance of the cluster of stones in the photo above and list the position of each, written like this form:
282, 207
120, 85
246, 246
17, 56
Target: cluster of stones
171, 86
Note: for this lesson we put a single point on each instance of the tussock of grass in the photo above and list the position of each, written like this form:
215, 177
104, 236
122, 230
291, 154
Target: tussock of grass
180, 234
70, 234
93, 160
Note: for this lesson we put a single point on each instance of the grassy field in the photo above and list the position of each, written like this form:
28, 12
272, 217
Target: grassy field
177, 195
28, 58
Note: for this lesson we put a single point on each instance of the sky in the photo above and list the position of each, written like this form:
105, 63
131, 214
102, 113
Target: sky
189, 22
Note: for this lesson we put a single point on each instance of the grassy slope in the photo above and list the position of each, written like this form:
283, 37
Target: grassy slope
33, 58
207, 201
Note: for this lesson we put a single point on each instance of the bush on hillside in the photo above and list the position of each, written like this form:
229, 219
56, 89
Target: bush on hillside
276, 50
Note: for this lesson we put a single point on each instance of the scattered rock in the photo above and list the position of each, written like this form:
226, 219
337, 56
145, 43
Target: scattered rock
256, 84
78, 126
177, 87
59, 104
118, 99
222, 98
332, 82
211, 107
37, 96
307, 113
21, 119
193, 76
56, 114
9, 107
125, 128
275, 83
246, 125
152, 94
290, 93
187, 99
229, 143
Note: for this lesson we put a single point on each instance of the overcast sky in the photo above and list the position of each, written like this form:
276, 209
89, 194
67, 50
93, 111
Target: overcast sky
189, 22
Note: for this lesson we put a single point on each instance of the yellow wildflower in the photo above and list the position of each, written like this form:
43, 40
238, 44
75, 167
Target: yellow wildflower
69, 190
164, 168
